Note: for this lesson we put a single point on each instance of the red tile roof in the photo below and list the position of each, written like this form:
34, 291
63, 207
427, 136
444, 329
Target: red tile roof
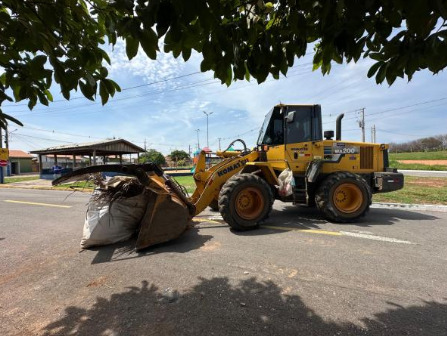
19, 154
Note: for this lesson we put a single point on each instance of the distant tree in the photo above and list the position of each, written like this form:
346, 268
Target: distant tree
443, 140
62, 40
177, 155
153, 156
434, 143
181, 162
431, 144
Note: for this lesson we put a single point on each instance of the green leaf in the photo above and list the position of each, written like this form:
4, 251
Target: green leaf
374, 69
205, 65
103, 92
131, 47
110, 87
186, 53
229, 76
381, 73
90, 79
49, 95
149, 43
87, 90
42, 98
16, 91
10, 118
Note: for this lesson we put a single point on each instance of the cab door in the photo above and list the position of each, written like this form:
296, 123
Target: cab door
302, 128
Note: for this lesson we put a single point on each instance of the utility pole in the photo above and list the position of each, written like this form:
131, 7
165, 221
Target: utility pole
373, 133
8, 168
1, 168
198, 143
207, 114
219, 142
362, 124
145, 145
6, 137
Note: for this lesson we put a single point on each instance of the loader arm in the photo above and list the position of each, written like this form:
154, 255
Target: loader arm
209, 182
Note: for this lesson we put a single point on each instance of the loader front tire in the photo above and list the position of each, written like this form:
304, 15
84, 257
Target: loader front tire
245, 200
214, 205
343, 197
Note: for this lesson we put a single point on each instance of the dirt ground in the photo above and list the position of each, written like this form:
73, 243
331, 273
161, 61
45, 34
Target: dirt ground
425, 162
429, 182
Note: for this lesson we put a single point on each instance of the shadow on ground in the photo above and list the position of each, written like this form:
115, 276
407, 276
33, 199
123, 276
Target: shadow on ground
310, 217
214, 306
188, 241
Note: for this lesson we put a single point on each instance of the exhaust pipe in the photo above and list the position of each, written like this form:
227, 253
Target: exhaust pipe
338, 126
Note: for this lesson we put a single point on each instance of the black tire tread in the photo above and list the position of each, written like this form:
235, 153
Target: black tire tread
225, 199
323, 197
214, 205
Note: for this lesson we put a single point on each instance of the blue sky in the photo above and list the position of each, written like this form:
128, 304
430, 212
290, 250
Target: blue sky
163, 102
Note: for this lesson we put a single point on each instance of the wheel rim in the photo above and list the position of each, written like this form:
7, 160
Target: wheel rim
249, 203
348, 198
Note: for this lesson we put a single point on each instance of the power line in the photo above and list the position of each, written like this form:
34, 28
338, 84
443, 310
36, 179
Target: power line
240, 134
398, 133
60, 132
124, 89
161, 81
154, 92
96, 103
409, 106
51, 140
403, 107
24, 140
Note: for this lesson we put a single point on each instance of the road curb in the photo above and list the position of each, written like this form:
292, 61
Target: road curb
410, 207
44, 188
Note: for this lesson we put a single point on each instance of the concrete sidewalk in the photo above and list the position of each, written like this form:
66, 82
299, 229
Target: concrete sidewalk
420, 173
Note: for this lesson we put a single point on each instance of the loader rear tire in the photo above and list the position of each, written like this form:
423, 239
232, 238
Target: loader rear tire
343, 197
245, 200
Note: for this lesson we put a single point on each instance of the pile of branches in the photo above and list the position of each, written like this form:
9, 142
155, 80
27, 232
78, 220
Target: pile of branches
115, 188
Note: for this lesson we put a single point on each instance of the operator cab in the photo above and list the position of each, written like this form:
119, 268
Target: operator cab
289, 124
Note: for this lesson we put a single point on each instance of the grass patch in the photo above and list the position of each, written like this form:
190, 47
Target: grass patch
79, 185
423, 167
417, 190
187, 182
9, 180
419, 155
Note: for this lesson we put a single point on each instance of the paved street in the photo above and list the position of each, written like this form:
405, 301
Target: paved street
297, 274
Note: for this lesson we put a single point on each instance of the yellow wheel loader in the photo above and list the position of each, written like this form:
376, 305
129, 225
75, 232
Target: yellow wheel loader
338, 177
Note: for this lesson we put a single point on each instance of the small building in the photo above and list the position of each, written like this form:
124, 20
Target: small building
21, 162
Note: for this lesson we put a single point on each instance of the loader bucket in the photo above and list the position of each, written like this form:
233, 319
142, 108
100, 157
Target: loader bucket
168, 211
165, 219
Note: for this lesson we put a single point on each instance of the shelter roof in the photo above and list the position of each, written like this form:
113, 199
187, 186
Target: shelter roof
101, 148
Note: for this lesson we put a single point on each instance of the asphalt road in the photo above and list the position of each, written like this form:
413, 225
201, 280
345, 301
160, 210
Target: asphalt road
297, 274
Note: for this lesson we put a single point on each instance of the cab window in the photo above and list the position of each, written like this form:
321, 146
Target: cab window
300, 130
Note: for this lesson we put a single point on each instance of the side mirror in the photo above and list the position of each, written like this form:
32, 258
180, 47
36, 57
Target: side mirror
290, 116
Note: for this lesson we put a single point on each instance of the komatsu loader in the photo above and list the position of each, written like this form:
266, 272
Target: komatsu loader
337, 176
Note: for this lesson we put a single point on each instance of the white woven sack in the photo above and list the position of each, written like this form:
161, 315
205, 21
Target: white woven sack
105, 224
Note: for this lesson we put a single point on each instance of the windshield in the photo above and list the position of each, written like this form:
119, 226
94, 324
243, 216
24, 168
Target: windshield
264, 127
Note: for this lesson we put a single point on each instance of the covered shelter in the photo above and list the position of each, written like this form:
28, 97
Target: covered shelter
93, 150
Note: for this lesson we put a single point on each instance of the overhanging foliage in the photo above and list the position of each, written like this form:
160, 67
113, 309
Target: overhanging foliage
62, 40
